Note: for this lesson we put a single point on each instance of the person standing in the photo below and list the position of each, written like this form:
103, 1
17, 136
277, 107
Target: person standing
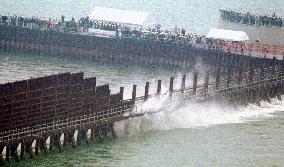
49, 24
62, 18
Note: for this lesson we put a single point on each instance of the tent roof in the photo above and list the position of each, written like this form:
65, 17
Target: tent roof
121, 16
228, 35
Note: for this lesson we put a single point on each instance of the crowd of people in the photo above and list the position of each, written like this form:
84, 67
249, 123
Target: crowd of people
252, 19
84, 23
176, 35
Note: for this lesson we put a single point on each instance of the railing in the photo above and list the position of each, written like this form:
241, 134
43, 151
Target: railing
190, 40
236, 80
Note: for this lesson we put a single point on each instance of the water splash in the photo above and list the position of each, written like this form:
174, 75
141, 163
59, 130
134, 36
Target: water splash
168, 114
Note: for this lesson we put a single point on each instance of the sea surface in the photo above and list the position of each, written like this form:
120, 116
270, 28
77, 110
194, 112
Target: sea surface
183, 133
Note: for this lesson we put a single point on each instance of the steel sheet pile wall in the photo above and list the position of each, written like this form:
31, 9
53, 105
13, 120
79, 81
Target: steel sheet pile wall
47, 99
133, 50
55, 110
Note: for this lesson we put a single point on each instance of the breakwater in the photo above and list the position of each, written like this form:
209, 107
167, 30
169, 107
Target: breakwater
57, 110
63, 109
146, 51
66, 109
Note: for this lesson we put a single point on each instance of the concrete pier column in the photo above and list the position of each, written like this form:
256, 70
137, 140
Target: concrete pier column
121, 90
89, 135
146, 91
75, 137
61, 141
134, 88
18, 152
48, 144
194, 83
183, 83
3, 155
33, 148
171, 88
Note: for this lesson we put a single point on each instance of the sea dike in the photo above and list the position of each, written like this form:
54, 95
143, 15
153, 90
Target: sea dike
62, 109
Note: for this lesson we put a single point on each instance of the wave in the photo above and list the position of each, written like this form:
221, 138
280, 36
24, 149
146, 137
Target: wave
166, 114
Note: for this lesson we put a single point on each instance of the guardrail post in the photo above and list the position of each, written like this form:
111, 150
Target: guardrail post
171, 88
183, 83
146, 91
194, 83
159, 87
134, 92
121, 90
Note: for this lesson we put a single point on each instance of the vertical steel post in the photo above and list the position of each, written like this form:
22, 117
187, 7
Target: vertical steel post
159, 87
134, 92
195, 83
146, 91
121, 90
171, 88
206, 81
183, 83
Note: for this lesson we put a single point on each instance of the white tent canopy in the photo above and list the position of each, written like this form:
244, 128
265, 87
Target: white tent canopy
125, 17
101, 33
227, 35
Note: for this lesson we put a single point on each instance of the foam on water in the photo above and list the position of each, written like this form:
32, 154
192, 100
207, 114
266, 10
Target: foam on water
180, 114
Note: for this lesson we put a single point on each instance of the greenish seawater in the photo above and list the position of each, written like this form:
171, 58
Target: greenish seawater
250, 144
183, 134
